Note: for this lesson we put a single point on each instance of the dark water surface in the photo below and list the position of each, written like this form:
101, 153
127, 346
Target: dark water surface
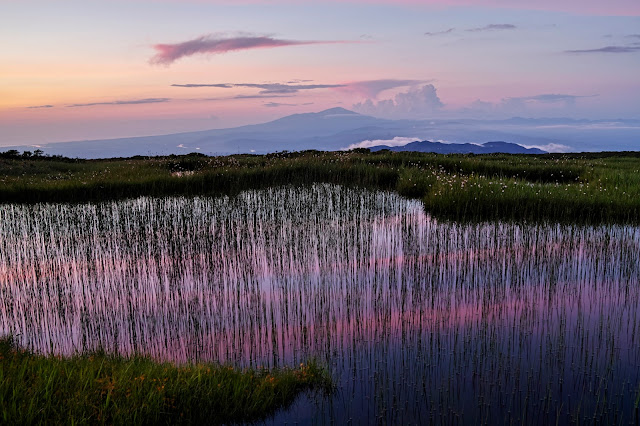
419, 321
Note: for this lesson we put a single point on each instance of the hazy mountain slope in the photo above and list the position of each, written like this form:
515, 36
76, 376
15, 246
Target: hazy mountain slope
294, 132
338, 128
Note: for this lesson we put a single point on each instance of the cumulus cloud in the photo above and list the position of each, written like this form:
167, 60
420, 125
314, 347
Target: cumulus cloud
217, 44
493, 27
397, 141
124, 102
372, 88
607, 49
266, 88
417, 102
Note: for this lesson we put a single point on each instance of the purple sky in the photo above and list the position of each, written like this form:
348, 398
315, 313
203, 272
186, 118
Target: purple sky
75, 70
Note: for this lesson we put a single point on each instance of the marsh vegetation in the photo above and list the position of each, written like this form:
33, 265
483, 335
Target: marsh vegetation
417, 318
586, 188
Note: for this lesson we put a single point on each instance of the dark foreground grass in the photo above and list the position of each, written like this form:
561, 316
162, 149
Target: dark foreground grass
590, 187
103, 389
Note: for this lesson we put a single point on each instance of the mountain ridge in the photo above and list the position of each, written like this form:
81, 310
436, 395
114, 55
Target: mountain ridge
339, 128
493, 147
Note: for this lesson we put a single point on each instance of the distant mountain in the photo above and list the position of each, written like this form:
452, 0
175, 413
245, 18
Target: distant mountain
339, 128
462, 148
332, 129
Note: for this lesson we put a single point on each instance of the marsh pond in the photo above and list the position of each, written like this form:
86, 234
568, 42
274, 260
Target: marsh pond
418, 320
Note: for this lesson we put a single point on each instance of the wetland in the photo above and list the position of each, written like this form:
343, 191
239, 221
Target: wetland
416, 318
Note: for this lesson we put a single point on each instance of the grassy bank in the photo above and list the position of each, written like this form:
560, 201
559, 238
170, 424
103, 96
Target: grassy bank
577, 187
102, 389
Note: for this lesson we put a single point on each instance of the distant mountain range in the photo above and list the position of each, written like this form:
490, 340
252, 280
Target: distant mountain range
339, 128
462, 148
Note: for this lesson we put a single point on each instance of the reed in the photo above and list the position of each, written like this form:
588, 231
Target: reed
416, 320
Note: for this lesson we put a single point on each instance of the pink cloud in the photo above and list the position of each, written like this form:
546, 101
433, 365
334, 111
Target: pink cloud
169, 53
417, 102
372, 88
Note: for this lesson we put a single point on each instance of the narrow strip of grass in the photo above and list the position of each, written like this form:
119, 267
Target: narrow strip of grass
102, 389
590, 188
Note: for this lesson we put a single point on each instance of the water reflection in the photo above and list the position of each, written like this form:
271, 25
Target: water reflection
420, 321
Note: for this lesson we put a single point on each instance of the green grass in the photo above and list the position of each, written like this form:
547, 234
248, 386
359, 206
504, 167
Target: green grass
102, 389
591, 187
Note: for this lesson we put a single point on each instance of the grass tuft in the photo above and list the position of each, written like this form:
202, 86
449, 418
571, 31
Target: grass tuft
102, 389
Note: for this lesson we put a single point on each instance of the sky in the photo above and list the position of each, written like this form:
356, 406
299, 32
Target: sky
76, 70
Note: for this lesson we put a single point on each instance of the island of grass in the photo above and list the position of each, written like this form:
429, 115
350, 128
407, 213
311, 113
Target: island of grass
102, 389
587, 187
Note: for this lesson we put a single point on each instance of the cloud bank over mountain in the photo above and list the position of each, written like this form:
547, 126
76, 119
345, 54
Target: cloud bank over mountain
416, 102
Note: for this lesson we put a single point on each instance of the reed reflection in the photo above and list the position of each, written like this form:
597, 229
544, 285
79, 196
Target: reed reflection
417, 318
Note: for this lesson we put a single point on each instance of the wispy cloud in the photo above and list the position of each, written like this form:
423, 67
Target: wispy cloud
636, 36
218, 85
298, 81
267, 96
369, 89
366, 89
266, 88
544, 103
277, 104
123, 102
217, 44
436, 33
486, 28
238, 97
40, 106
548, 98
280, 104
607, 49
493, 27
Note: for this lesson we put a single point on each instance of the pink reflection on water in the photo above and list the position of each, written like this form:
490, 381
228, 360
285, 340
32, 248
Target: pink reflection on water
283, 287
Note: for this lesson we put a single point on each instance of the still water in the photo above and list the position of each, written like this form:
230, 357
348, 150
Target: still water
419, 321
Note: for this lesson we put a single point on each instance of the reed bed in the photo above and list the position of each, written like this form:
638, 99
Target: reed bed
417, 319
587, 188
